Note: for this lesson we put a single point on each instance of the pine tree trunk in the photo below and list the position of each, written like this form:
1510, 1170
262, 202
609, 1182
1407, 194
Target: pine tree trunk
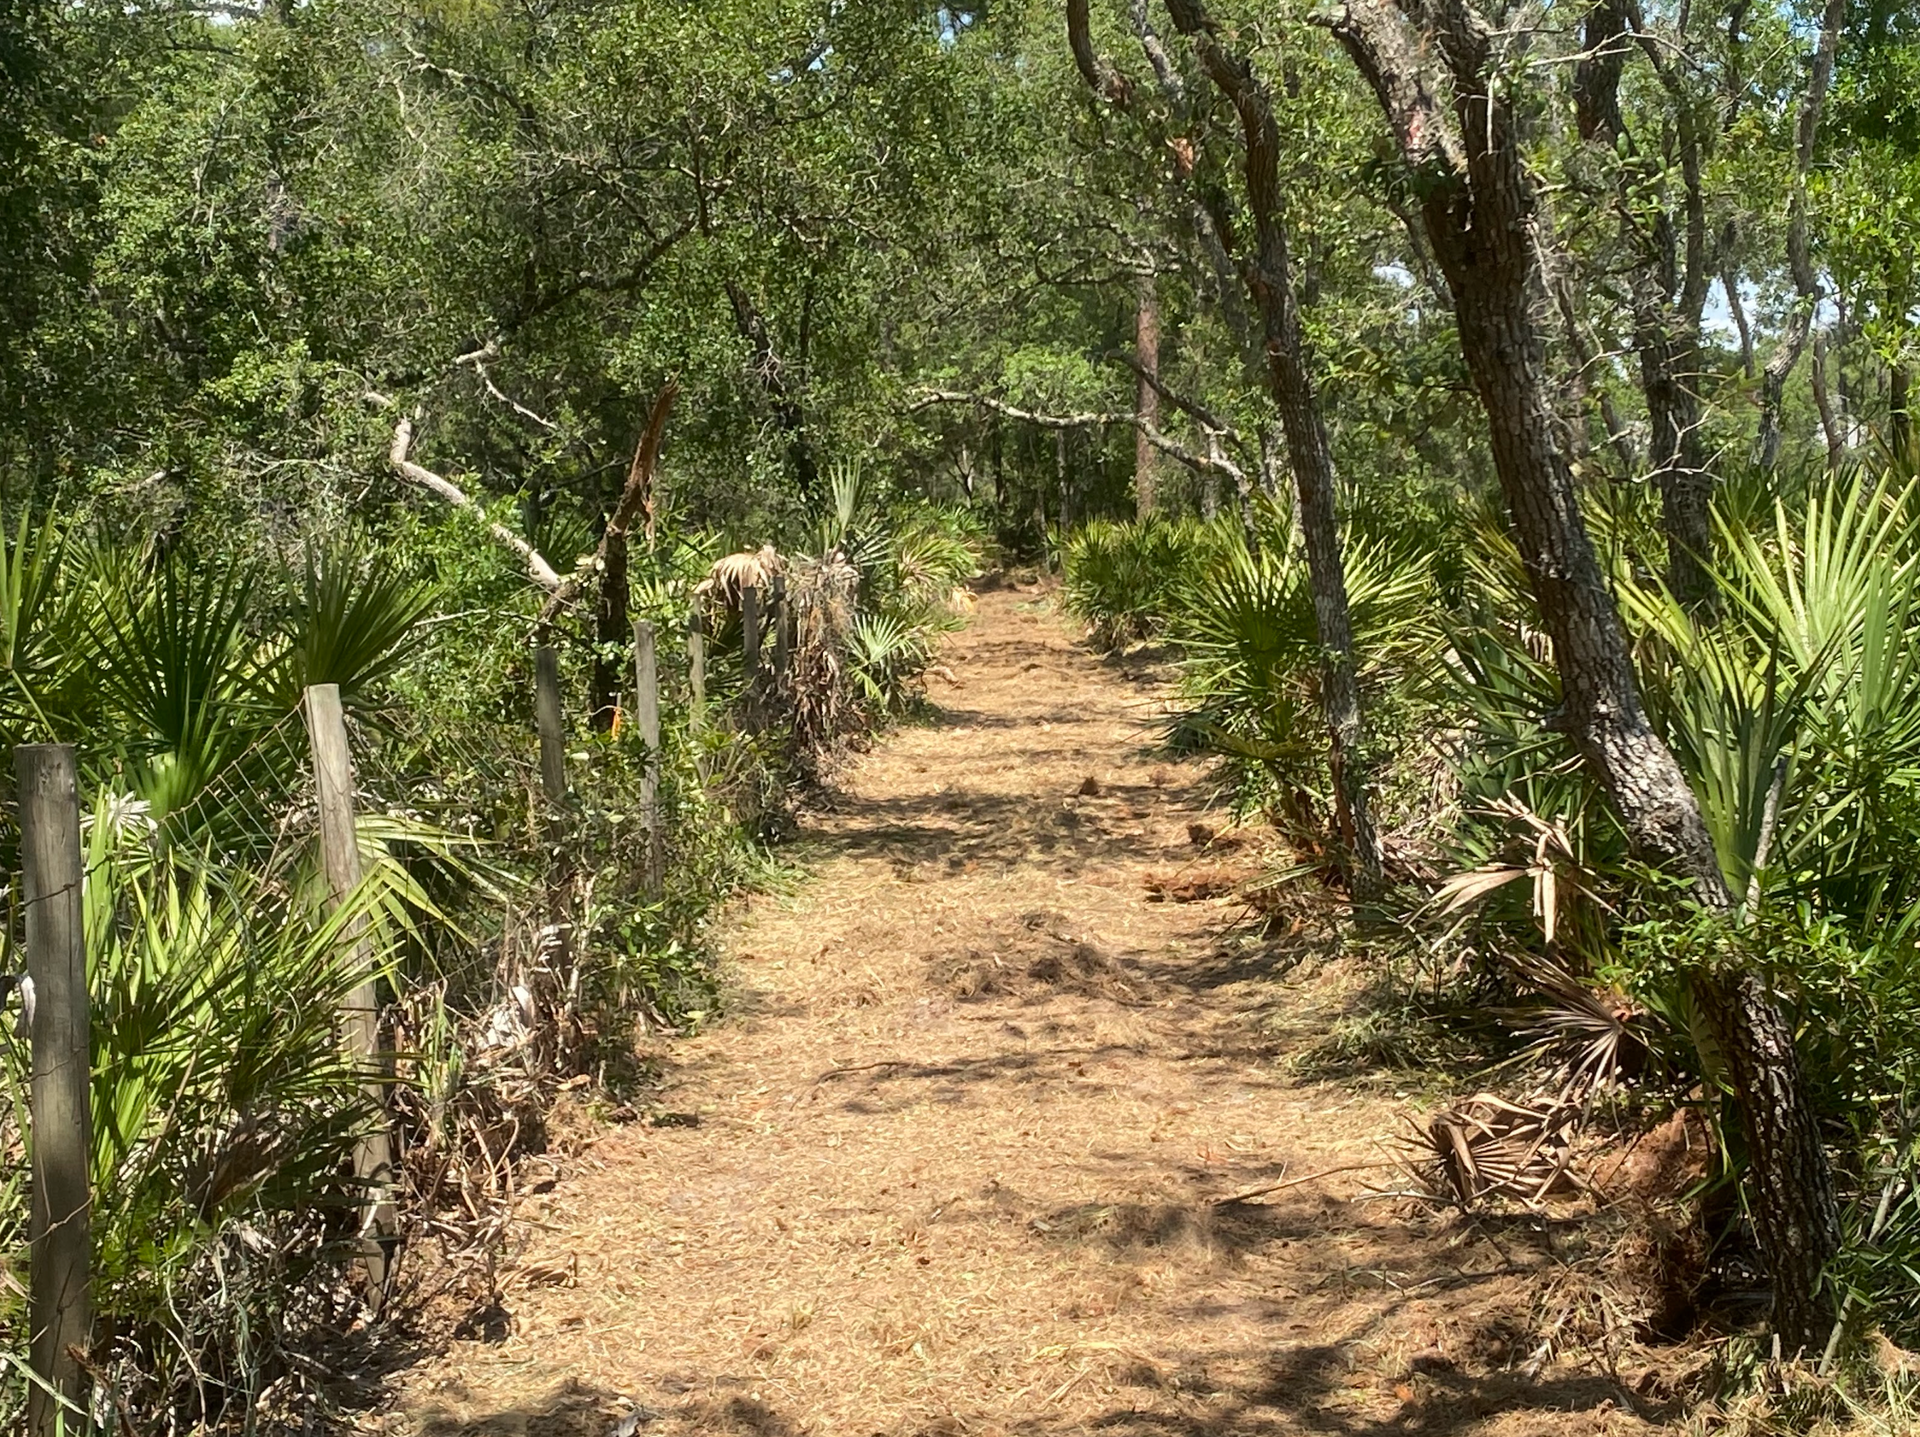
1479, 206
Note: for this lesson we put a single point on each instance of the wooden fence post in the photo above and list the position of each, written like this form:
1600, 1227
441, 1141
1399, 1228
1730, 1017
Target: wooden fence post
60, 1225
360, 1014
782, 647
697, 669
546, 712
750, 652
646, 714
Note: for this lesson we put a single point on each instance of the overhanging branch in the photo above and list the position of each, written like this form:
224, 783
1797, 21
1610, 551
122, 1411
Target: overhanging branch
398, 457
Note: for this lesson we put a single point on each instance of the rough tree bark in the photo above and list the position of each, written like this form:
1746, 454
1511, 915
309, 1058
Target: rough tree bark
1455, 129
1267, 273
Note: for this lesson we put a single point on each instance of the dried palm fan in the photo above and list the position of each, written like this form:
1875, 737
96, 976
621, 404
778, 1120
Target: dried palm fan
821, 597
1488, 1147
731, 573
1597, 1029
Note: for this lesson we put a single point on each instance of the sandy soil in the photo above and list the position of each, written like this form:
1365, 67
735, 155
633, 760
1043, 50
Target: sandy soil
951, 1165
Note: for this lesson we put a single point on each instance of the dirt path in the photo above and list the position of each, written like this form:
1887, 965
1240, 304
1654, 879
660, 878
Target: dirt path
956, 1147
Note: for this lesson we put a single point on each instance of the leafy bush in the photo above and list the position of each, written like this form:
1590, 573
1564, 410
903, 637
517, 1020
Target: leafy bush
1127, 580
1794, 710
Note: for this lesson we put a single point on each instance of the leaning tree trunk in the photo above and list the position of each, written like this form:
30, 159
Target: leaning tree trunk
1269, 280
1479, 204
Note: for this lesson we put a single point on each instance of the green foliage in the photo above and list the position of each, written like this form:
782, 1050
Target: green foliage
1127, 581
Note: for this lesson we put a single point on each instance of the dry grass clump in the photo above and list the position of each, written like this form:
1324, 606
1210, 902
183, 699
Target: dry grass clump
1036, 956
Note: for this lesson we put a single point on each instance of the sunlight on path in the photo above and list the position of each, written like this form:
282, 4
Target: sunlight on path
958, 1143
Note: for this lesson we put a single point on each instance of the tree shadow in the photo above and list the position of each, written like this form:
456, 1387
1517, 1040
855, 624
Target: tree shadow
1309, 1389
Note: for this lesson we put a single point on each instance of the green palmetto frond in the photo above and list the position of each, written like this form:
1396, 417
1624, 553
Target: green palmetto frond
218, 1081
174, 666
351, 624
1250, 632
881, 650
1797, 716
36, 658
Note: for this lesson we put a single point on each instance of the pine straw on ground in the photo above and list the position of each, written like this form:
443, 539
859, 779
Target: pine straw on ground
952, 1163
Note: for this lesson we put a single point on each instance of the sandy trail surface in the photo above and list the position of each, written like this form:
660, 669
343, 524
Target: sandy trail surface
950, 1164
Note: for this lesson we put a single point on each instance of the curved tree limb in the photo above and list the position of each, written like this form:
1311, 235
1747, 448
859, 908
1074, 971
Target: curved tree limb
1094, 67
1806, 285
538, 569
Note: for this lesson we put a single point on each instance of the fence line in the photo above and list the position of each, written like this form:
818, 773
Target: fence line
60, 1239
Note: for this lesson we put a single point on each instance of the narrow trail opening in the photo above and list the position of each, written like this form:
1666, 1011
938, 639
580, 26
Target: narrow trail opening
951, 1164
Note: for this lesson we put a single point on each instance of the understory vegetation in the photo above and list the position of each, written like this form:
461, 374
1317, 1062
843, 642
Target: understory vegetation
1791, 708
521, 953
1502, 411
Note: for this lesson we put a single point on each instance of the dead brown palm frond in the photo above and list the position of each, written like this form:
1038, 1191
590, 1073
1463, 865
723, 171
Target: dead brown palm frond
818, 695
1557, 875
1490, 1147
1596, 1027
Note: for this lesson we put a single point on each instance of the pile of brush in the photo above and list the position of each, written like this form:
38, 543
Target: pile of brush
1488, 1147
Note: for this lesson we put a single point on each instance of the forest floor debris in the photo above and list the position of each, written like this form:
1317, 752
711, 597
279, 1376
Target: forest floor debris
976, 1146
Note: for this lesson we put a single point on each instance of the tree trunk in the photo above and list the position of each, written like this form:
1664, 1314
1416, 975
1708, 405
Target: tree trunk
1146, 344
1669, 349
1060, 476
1479, 204
1268, 277
1806, 285
1823, 401
611, 628
1670, 279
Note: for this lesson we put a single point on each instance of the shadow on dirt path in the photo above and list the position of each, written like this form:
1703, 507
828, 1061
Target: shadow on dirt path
961, 1139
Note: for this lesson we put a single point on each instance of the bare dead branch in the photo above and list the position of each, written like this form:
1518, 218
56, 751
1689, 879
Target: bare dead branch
538, 569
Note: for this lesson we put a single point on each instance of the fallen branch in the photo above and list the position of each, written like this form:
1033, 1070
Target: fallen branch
1296, 1182
538, 569
860, 1068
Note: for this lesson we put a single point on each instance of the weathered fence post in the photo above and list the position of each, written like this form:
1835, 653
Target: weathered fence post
782, 646
697, 669
646, 714
750, 652
697, 685
360, 1014
60, 1231
546, 713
